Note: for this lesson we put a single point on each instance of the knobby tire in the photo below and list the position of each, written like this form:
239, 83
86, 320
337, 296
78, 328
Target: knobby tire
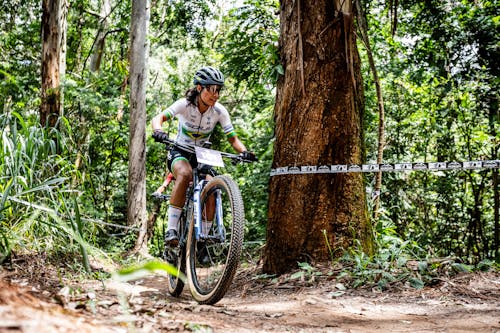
210, 281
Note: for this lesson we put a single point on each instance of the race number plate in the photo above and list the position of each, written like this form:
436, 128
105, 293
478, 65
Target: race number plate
209, 156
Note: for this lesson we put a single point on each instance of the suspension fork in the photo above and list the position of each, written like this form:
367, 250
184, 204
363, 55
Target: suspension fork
219, 216
197, 213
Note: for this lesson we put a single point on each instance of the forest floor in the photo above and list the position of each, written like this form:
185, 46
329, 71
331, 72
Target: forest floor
37, 296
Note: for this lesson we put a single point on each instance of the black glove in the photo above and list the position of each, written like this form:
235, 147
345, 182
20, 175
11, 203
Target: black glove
249, 156
160, 136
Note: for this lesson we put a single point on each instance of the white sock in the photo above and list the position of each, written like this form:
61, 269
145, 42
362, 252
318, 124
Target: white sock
174, 214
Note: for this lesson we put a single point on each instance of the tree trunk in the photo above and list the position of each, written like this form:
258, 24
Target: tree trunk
100, 41
54, 14
318, 114
136, 195
494, 118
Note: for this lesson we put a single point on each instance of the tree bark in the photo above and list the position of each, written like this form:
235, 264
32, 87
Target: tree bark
317, 217
100, 40
136, 195
54, 14
494, 118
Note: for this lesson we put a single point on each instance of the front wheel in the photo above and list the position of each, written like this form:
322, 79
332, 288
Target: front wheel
212, 260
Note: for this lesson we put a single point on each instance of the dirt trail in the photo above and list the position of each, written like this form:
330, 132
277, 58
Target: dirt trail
467, 303
325, 309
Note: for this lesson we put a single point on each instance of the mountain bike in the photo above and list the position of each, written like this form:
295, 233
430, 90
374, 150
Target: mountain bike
210, 230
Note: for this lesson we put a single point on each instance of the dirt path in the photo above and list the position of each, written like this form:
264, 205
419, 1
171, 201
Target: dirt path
326, 309
467, 303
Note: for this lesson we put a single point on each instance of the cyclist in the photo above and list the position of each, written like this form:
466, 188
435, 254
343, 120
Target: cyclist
198, 114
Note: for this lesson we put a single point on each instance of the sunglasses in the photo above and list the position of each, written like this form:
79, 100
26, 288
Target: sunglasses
214, 89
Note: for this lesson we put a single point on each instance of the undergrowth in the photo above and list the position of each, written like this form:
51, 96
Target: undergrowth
399, 262
40, 208
395, 263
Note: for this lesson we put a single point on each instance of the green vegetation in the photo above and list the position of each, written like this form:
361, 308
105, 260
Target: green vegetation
64, 189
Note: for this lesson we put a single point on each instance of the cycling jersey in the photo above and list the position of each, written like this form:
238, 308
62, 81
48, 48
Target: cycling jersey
196, 127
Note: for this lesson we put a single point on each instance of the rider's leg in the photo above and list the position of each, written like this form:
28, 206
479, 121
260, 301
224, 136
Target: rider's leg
208, 212
182, 172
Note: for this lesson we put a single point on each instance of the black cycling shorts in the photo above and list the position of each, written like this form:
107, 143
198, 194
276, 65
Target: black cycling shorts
175, 155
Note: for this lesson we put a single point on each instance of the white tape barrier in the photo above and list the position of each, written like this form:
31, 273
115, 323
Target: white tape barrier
387, 167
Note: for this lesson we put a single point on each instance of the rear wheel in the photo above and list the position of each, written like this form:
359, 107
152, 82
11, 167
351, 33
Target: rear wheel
213, 259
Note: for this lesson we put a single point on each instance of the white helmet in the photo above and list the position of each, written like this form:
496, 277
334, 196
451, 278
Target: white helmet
208, 75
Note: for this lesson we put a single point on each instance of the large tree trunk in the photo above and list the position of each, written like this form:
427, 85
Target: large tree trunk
136, 195
318, 114
54, 14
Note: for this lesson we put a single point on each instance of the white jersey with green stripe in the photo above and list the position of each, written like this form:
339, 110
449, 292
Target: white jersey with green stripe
196, 127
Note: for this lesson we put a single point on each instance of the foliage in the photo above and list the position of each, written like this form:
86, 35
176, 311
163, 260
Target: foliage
439, 80
172, 21
19, 53
398, 261
144, 269
439, 73
249, 47
39, 205
306, 272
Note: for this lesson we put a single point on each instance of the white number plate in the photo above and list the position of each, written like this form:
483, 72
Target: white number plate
209, 156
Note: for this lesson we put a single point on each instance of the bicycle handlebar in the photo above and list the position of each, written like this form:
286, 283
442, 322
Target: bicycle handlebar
190, 148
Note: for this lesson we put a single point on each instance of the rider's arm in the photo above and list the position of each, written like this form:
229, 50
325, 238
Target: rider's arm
237, 144
157, 121
174, 109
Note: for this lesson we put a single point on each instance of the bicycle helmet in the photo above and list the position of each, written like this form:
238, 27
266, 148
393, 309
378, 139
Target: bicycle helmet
208, 75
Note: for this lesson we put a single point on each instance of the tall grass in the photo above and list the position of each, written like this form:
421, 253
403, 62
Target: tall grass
39, 209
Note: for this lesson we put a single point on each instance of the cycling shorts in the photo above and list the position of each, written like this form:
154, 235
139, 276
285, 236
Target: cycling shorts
175, 155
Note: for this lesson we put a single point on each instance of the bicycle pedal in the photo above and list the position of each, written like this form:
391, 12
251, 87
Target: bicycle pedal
160, 196
171, 256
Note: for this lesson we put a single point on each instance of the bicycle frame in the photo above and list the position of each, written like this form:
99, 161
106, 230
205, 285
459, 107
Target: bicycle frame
196, 212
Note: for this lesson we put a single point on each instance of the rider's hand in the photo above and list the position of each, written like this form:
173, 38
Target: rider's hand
160, 136
248, 156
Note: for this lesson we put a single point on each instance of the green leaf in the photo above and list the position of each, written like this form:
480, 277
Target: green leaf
461, 267
422, 266
297, 275
416, 283
485, 265
148, 268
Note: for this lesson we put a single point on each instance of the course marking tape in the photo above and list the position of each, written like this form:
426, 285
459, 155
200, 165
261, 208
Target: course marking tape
386, 167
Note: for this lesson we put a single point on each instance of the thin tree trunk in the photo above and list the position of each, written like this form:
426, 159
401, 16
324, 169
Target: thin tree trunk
54, 14
494, 118
78, 42
123, 90
136, 195
98, 51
